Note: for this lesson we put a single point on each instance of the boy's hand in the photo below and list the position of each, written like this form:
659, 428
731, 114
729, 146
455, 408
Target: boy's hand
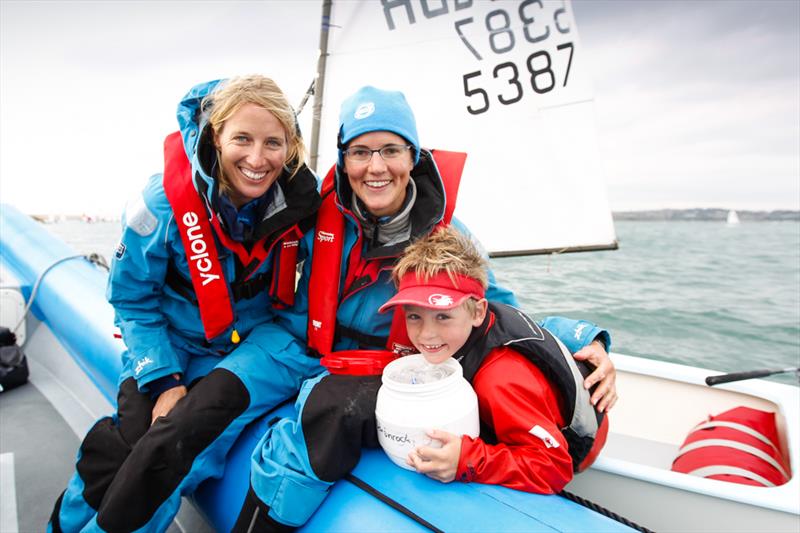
166, 401
440, 464
605, 396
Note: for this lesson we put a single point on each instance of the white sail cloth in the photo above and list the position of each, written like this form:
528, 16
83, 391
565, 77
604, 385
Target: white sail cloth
504, 81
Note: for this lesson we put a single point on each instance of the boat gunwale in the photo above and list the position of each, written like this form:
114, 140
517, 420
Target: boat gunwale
785, 397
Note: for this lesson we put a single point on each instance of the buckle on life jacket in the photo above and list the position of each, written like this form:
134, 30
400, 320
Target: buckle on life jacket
240, 290
244, 290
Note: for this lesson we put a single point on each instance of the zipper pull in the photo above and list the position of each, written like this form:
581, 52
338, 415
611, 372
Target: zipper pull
235, 339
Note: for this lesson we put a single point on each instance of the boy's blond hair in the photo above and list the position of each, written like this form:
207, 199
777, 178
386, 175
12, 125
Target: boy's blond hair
444, 250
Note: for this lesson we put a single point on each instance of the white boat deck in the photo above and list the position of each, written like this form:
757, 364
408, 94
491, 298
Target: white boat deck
641, 451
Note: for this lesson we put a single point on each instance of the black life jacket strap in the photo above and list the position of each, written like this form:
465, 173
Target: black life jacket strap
364, 340
241, 290
180, 284
244, 290
369, 489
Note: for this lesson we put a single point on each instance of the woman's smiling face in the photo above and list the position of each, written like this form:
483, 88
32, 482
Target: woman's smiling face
252, 150
378, 183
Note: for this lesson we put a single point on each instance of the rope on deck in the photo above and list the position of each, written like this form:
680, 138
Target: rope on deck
603, 511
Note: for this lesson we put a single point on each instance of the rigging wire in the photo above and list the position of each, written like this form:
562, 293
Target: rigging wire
309, 94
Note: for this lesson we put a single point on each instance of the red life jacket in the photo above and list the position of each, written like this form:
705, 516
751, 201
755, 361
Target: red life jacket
196, 221
740, 445
323, 290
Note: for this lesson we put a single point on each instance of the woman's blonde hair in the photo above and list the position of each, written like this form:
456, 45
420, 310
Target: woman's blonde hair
445, 250
232, 94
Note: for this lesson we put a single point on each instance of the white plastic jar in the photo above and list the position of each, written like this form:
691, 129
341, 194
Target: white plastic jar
406, 409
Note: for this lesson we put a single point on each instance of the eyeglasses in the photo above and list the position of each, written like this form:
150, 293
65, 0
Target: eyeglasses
362, 154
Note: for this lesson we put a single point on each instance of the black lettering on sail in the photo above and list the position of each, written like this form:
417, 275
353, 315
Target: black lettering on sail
388, 5
430, 13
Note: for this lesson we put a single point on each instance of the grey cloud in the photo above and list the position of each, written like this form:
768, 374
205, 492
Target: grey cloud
735, 42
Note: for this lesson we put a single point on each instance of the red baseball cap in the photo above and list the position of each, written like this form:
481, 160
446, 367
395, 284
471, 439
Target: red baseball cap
438, 292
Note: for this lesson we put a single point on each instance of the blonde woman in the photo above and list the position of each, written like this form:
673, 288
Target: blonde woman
206, 254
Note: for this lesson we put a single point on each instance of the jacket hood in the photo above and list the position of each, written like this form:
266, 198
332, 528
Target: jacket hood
193, 124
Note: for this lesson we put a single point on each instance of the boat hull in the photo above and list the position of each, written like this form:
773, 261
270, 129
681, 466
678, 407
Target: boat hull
664, 508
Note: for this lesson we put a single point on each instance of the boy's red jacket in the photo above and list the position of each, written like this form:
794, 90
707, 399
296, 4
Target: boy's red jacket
513, 398
538, 426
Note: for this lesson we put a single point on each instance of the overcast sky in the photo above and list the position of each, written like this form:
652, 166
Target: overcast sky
698, 102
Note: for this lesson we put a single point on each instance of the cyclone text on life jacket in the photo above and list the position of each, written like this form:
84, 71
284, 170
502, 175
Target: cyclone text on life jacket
199, 247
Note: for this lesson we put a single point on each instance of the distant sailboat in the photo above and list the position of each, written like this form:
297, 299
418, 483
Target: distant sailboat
733, 218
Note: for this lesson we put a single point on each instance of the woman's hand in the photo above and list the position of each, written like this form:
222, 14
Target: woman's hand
605, 396
437, 463
166, 401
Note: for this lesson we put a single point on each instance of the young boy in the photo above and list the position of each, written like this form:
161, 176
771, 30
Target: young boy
537, 423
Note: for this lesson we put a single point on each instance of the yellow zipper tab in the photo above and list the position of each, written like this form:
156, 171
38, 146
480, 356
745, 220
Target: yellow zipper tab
235, 339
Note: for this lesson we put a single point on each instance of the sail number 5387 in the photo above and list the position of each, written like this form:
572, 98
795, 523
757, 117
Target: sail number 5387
539, 74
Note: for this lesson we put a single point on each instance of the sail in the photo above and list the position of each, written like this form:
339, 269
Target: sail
505, 81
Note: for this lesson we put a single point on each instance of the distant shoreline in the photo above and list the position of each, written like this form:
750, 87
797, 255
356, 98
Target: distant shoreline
696, 214
89, 219
706, 214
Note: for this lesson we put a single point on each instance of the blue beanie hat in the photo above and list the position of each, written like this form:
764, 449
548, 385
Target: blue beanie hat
372, 109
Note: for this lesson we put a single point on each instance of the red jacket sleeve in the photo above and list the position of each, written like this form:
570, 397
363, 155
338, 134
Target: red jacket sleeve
518, 402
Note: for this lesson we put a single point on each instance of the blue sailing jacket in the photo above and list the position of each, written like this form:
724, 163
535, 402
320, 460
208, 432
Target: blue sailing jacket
161, 327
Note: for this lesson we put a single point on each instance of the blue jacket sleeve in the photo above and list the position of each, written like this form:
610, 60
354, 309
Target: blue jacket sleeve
576, 334
135, 286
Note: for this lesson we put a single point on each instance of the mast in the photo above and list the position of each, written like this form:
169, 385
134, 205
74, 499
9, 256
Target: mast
320, 83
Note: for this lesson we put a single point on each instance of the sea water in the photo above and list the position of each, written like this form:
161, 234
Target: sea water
705, 294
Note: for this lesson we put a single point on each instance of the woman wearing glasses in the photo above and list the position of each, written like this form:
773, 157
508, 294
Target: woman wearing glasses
384, 192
